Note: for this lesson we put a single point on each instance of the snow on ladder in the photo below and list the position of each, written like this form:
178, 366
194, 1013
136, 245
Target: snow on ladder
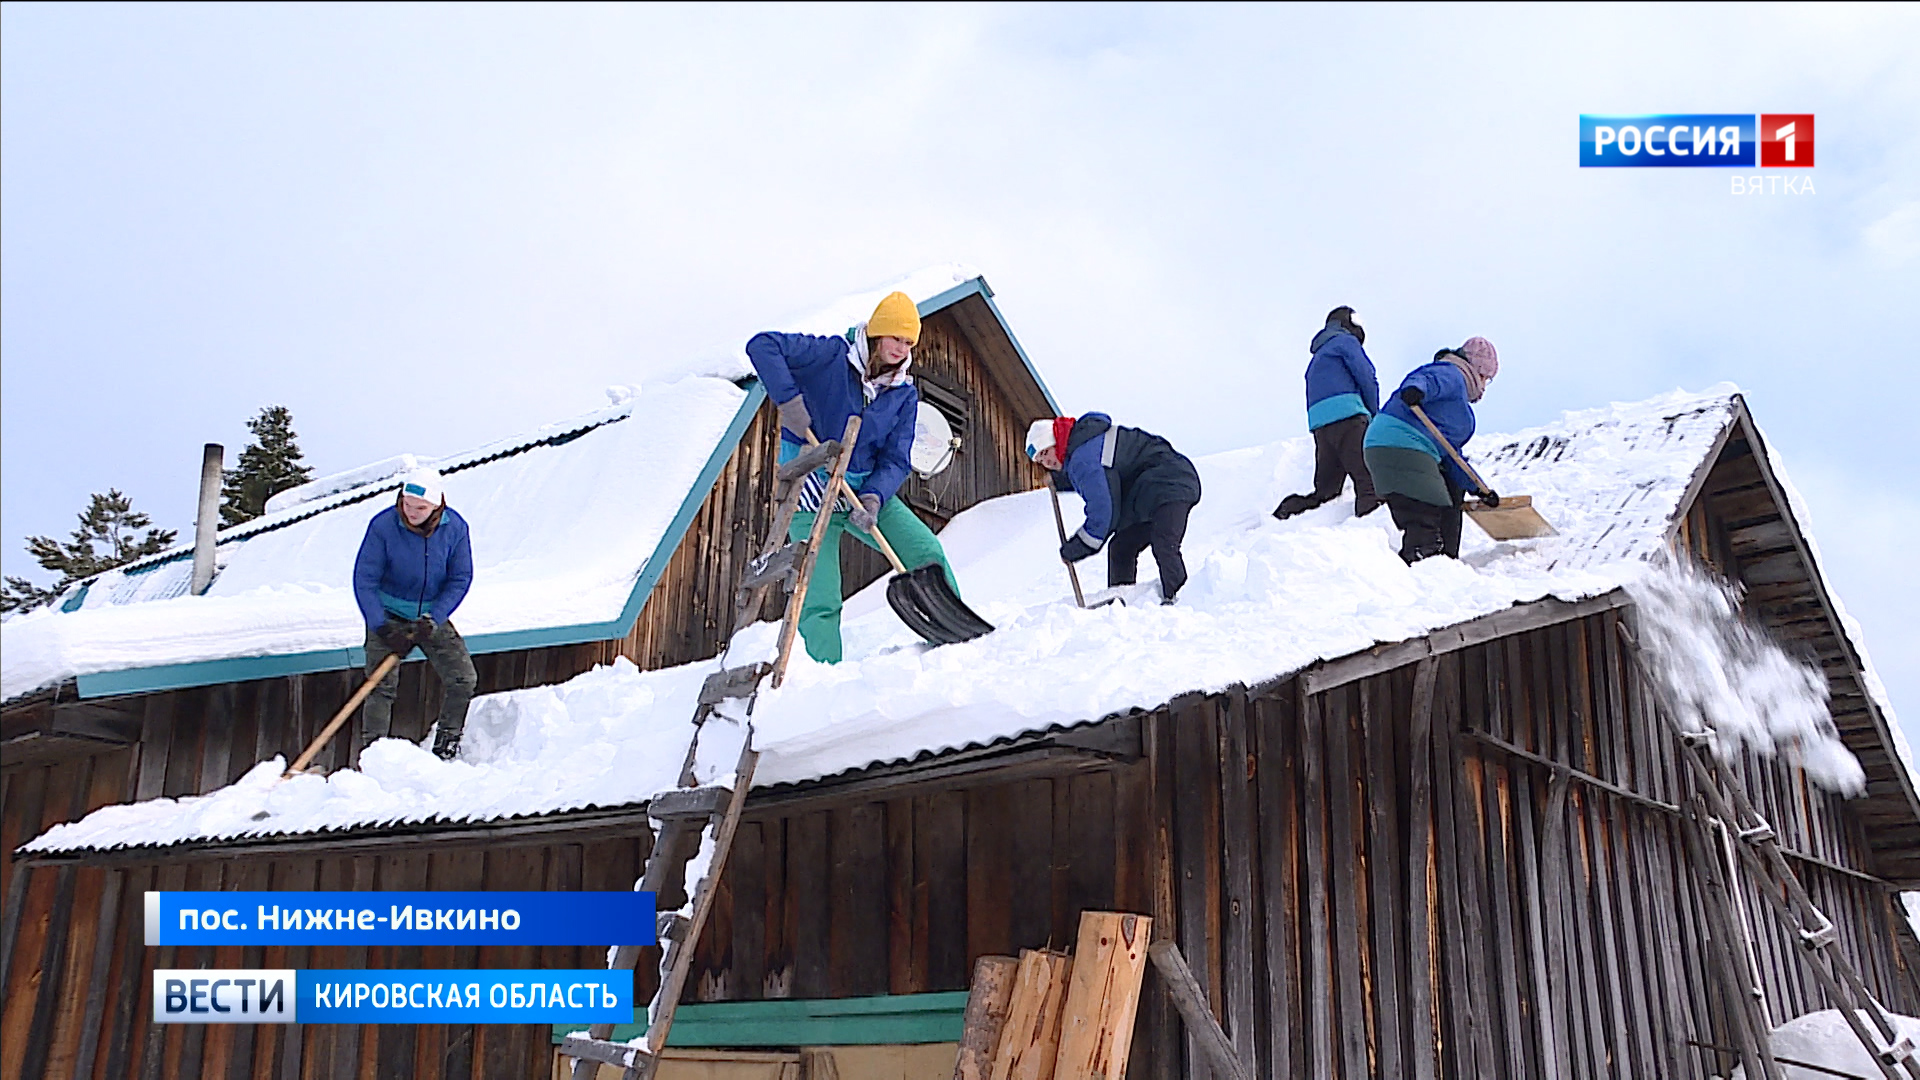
695, 818
1759, 849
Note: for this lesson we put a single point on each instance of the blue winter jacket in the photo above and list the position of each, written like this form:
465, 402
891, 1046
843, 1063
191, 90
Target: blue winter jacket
1122, 484
821, 371
1340, 379
410, 575
1446, 405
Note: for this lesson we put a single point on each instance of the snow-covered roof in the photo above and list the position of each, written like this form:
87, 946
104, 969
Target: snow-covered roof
572, 523
1265, 599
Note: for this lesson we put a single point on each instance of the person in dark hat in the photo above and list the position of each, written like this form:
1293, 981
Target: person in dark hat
1343, 395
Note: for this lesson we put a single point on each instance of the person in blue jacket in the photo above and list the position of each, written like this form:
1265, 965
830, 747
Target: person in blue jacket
1415, 476
1138, 492
817, 383
1343, 394
415, 566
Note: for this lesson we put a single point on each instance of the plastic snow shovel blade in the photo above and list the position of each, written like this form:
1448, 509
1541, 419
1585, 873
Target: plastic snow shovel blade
906, 604
1514, 519
926, 593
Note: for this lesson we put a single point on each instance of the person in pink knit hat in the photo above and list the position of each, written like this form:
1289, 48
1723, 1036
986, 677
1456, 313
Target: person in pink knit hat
1413, 474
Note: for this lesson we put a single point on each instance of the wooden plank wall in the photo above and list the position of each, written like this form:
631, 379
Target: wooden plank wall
1364, 894
878, 893
79, 993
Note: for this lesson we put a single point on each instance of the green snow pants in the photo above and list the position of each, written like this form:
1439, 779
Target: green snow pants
820, 614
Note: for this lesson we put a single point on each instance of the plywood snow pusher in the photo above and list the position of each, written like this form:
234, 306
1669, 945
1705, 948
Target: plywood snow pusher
1514, 519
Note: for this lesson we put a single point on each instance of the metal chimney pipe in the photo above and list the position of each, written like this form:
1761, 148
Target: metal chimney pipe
208, 522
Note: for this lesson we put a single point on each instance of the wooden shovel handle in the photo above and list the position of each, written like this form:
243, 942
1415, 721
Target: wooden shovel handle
1451, 452
1060, 526
379, 672
878, 540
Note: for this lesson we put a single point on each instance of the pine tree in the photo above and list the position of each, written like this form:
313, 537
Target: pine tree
111, 533
269, 465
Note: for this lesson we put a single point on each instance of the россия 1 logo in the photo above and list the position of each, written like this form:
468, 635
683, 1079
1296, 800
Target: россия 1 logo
1697, 140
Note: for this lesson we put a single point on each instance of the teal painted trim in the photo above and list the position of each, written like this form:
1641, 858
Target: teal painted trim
77, 600
241, 668
211, 672
889, 1020
978, 286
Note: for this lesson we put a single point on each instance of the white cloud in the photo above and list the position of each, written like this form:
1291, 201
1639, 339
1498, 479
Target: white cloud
1895, 238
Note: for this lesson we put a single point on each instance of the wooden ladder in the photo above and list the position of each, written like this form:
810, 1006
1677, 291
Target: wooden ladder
1719, 794
692, 814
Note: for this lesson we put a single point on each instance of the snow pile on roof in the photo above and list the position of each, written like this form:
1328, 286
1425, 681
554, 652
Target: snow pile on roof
315, 490
1265, 599
559, 534
728, 360
1824, 1041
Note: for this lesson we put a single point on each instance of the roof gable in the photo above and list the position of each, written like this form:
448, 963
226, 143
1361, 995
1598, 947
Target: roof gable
574, 524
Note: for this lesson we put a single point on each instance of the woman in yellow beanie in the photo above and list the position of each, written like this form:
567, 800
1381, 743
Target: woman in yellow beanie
818, 382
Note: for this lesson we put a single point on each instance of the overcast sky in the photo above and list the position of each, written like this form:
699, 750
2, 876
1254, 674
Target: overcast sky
422, 228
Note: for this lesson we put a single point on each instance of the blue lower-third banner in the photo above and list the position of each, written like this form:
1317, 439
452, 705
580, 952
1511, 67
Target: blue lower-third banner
442, 996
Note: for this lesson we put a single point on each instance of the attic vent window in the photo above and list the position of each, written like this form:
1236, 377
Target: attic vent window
953, 405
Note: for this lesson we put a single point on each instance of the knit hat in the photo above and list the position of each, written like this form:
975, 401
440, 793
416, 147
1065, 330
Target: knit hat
424, 483
1479, 352
1043, 435
1344, 318
895, 316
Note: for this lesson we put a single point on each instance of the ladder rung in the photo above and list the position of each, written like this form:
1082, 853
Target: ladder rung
817, 456
672, 926
690, 802
1759, 834
607, 1053
1821, 936
1900, 1051
779, 566
738, 682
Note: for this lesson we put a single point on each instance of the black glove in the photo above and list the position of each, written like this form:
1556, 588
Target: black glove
396, 635
1489, 500
1075, 549
794, 416
422, 630
1412, 395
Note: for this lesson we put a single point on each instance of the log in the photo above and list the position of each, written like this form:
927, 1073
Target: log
1109, 961
1192, 1004
1031, 1038
985, 1017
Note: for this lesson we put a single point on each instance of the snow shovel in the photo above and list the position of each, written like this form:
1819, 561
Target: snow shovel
326, 733
921, 596
1514, 519
1060, 526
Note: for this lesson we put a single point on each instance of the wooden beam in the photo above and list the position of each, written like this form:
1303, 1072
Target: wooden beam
1518, 619
1192, 1004
1110, 960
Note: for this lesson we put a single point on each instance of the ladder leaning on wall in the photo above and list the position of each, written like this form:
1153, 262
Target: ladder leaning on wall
696, 816
1719, 794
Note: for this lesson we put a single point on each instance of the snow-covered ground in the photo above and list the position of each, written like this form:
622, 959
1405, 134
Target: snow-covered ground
1266, 598
1825, 1040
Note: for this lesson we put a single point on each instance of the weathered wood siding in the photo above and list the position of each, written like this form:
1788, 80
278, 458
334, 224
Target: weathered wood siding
87, 1013
1363, 892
